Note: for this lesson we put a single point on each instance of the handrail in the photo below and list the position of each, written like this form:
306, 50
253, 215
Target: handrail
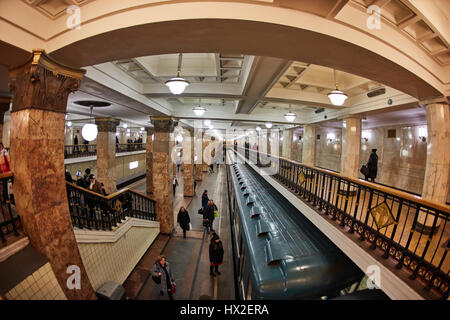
408, 229
402, 194
95, 211
108, 197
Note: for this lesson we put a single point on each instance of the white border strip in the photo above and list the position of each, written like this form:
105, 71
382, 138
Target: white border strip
392, 285
13, 248
97, 236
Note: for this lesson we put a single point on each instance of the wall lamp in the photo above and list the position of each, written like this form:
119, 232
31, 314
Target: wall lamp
365, 135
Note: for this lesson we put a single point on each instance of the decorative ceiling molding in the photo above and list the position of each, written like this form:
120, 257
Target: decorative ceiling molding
412, 24
54, 9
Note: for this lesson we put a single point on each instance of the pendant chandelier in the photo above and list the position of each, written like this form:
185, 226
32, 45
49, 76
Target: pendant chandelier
337, 97
89, 131
290, 116
198, 110
178, 84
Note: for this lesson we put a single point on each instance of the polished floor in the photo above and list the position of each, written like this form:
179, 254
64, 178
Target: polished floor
189, 258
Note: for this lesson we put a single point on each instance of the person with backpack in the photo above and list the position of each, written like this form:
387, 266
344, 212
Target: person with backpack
215, 254
162, 276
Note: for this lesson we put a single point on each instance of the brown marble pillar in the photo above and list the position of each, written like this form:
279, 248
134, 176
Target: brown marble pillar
162, 172
41, 87
309, 145
188, 162
198, 158
106, 153
4, 107
149, 159
351, 147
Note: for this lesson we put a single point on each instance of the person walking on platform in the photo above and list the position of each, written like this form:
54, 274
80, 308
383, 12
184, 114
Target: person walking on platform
215, 254
175, 184
205, 199
162, 275
183, 220
372, 165
209, 214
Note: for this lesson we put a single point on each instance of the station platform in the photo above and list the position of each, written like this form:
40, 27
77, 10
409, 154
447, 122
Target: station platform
189, 258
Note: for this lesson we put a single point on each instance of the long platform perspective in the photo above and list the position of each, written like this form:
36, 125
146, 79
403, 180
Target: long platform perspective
209, 158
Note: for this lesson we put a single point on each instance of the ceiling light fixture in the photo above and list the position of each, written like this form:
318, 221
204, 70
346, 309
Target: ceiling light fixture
258, 128
268, 125
337, 97
207, 122
290, 116
89, 131
177, 85
198, 110
69, 123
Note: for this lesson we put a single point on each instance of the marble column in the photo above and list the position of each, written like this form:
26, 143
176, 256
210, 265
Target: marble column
188, 162
206, 154
198, 158
106, 153
41, 87
162, 172
287, 143
149, 159
436, 183
351, 147
309, 145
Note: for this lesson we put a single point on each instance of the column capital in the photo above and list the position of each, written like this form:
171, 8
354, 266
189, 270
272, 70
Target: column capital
150, 130
43, 83
439, 100
107, 124
163, 124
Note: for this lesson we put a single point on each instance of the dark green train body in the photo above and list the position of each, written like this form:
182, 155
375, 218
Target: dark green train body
279, 253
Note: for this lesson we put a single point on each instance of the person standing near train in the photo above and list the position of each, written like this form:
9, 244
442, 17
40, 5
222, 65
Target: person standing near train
215, 254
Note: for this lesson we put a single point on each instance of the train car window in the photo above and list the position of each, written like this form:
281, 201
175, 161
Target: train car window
248, 295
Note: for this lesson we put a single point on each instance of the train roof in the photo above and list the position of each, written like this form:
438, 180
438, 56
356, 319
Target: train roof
290, 257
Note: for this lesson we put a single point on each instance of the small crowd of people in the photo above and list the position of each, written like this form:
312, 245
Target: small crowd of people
88, 181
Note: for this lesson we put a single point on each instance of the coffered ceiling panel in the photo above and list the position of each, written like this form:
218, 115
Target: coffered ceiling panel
54, 8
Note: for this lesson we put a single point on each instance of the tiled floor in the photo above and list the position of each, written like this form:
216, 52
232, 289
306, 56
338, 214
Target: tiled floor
189, 258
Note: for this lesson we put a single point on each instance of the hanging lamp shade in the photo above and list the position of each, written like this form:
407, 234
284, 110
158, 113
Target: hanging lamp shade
199, 111
290, 116
177, 85
89, 131
337, 97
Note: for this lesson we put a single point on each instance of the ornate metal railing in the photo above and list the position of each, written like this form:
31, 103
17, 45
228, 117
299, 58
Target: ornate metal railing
90, 210
130, 147
411, 231
9, 219
80, 151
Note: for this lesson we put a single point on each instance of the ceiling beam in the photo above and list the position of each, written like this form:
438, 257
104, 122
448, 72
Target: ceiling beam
264, 74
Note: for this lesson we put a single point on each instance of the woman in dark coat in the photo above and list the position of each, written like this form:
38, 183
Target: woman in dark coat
183, 220
372, 165
215, 254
